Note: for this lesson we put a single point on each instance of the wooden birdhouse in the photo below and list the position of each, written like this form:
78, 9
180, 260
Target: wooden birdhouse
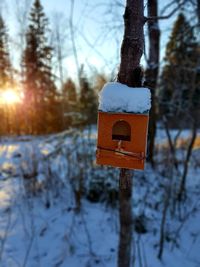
122, 126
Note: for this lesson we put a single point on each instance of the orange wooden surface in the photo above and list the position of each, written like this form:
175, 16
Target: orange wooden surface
106, 146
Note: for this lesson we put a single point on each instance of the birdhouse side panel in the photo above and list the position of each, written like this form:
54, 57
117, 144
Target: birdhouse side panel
139, 129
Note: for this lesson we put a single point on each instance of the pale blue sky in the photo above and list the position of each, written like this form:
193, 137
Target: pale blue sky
97, 46
98, 31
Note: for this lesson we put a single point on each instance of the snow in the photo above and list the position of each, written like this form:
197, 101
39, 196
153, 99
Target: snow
32, 234
117, 97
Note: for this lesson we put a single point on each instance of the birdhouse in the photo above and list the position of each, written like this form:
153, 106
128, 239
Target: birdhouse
122, 126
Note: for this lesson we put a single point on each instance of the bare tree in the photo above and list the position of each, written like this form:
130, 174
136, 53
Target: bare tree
21, 13
59, 36
198, 10
72, 33
153, 69
58, 39
129, 74
182, 188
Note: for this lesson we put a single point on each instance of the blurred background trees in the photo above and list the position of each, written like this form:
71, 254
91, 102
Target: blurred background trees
179, 81
49, 100
40, 96
45, 106
39, 87
5, 74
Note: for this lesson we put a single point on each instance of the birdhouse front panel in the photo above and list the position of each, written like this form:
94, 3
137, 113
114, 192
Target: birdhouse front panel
122, 139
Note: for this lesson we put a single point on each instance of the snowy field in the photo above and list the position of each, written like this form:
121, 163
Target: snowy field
42, 226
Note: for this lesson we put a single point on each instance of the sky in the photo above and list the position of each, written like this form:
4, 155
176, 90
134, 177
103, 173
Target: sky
98, 32
95, 46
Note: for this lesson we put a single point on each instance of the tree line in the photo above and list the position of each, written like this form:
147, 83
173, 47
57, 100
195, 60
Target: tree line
180, 79
44, 108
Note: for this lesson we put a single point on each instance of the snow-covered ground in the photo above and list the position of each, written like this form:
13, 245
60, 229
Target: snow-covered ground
40, 224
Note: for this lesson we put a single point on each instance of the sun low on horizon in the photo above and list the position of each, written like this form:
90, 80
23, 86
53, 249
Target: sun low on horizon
10, 97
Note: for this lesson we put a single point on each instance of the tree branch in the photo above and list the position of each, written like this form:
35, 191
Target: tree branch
152, 18
162, 17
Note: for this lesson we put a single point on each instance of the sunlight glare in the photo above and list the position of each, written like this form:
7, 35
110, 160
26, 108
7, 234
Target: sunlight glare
11, 97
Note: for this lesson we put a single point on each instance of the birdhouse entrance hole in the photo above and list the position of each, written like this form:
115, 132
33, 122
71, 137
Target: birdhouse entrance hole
121, 131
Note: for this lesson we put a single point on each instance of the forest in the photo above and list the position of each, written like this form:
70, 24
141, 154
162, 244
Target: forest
58, 207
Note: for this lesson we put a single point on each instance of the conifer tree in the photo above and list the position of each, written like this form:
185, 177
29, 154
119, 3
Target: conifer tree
40, 89
178, 79
5, 65
69, 91
88, 101
5, 74
70, 109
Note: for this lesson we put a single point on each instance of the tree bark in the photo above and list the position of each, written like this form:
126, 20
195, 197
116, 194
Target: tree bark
130, 73
186, 163
133, 43
152, 71
198, 11
125, 216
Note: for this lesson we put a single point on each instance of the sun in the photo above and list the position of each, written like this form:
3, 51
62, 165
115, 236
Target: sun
10, 97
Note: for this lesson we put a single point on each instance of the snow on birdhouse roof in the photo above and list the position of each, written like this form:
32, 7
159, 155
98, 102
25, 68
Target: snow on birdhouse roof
117, 97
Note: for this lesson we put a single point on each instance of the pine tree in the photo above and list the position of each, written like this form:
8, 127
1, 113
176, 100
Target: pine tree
88, 101
40, 89
178, 79
5, 65
69, 91
5, 74
69, 103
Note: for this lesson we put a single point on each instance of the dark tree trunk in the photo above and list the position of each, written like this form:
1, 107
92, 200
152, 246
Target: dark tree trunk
198, 11
125, 217
130, 74
133, 43
152, 71
186, 163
